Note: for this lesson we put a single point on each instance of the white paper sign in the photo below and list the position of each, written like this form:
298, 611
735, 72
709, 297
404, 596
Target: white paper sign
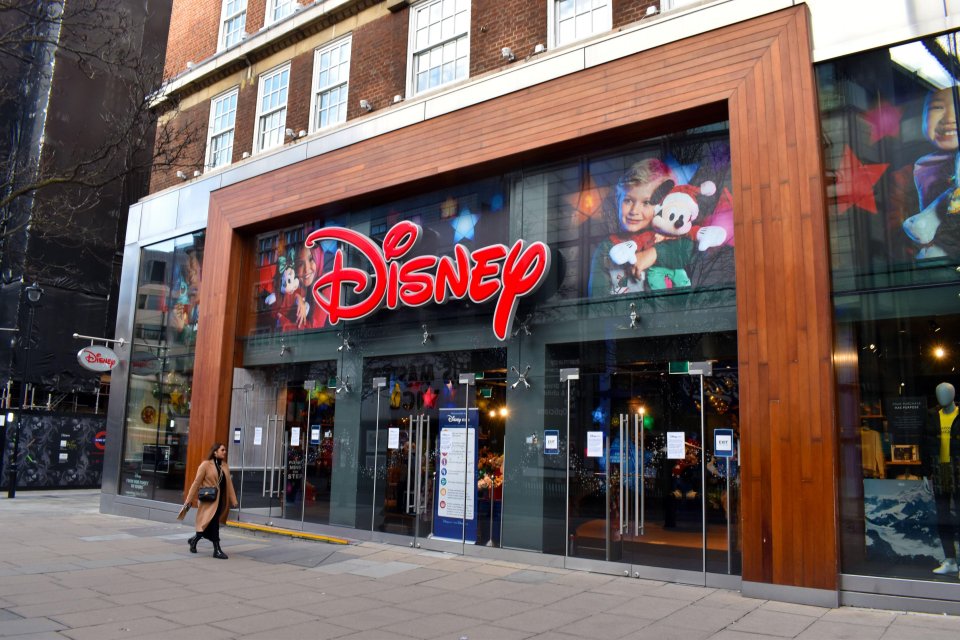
295, 436
676, 448
258, 435
551, 442
393, 438
315, 435
594, 444
64, 457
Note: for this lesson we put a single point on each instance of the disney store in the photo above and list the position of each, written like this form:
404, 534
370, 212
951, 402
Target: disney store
708, 335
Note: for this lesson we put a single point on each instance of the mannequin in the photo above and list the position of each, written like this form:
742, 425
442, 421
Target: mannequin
944, 459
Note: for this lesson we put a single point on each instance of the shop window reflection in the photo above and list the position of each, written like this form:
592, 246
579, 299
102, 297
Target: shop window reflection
161, 370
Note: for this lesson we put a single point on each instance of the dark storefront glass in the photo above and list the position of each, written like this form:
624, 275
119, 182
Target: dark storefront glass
161, 369
889, 121
641, 245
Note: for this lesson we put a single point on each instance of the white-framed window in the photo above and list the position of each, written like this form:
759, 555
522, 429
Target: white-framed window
223, 119
331, 78
439, 43
271, 108
279, 9
572, 20
233, 21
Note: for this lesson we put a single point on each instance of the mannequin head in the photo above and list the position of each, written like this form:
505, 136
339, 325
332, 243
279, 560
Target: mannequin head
945, 394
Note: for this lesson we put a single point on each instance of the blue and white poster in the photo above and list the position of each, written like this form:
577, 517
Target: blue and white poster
456, 484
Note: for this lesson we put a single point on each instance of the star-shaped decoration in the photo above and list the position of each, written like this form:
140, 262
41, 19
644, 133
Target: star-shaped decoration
429, 398
586, 203
855, 183
463, 225
683, 172
884, 121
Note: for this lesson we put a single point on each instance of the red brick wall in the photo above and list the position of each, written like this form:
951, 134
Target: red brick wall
629, 11
246, 118
190, 127
194, 25
495, 24
256, 10
298, 97
378, 62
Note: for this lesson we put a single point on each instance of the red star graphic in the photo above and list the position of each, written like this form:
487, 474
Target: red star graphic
884, 121
855, 183
429, 398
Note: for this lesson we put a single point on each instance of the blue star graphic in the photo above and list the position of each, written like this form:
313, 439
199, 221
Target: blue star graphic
463, 225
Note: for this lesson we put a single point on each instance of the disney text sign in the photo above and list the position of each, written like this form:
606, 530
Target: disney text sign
496, 271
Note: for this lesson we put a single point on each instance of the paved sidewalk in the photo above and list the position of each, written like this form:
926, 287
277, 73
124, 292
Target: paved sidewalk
66, 571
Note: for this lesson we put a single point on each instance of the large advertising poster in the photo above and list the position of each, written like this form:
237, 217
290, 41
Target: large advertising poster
456, 486
889, 121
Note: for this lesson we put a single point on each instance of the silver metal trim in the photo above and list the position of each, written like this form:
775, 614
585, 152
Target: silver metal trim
900, 587
787, 593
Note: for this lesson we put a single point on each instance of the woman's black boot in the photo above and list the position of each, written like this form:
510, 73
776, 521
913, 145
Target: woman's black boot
218, 552
193, 543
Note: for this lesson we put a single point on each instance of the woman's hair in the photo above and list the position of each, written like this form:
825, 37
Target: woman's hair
213, 450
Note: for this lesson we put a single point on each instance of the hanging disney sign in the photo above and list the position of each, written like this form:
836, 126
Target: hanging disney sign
97, 358
506, 274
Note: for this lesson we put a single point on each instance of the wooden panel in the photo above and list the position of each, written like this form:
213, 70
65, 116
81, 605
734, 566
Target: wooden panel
761, 72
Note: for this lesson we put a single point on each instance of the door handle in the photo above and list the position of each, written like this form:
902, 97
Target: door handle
624, 469
410, 431
425, 420
639, 483
419, 463
266, 447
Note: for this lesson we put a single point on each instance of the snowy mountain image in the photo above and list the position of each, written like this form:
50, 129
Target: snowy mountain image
901, 519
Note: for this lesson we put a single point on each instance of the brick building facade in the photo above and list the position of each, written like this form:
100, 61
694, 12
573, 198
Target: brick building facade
659, 400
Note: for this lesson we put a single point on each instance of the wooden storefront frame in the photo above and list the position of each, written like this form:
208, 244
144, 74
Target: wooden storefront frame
759, 74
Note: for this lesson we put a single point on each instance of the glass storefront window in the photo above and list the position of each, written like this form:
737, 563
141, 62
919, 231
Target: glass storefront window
641, 245
161, 369
889, 121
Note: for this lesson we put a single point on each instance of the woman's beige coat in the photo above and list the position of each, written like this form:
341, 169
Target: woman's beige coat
207, 477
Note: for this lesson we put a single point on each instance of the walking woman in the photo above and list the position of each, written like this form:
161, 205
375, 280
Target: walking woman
212, 491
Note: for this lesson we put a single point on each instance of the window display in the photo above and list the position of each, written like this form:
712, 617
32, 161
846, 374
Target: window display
161, 369
889, 121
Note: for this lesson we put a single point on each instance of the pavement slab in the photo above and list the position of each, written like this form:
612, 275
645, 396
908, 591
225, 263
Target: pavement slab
84, 576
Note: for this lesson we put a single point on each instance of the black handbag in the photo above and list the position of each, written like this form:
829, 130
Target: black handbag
209, 494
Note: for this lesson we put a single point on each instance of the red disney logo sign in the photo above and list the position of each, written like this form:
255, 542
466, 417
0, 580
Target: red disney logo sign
507, 273
95, 358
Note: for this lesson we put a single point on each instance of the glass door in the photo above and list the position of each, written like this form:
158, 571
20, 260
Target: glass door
257, 447
650, 493
436, 477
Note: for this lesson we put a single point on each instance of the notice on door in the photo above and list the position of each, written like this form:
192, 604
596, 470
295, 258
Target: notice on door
295, 436
258, 435
676, 447
314, 434
393, 438
594, 444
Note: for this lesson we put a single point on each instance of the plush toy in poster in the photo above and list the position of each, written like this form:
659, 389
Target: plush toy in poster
678, 237
934, 229
289, 290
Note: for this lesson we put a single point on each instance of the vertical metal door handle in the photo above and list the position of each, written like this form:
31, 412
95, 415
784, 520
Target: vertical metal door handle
426, 465
416, 499
624, 470
265, 447
410, 431
637, 477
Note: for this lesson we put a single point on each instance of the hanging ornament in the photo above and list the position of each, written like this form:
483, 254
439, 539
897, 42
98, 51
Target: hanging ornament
429, 398
395, 396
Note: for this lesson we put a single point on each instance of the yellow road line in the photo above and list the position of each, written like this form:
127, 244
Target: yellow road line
286, 532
